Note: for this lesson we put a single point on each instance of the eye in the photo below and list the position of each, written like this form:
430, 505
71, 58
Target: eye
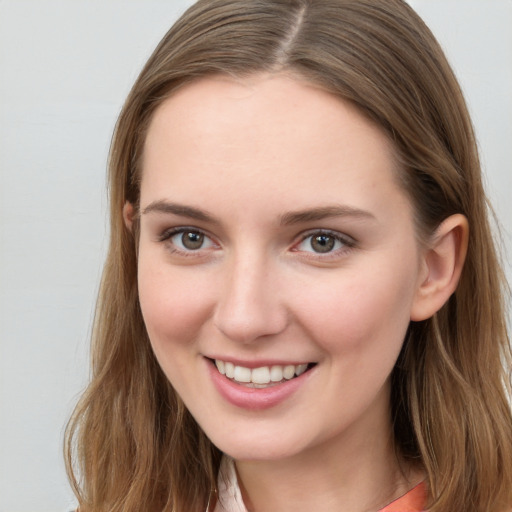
187, 239
324, 242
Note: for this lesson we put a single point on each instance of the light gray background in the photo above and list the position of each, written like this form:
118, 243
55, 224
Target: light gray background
65, 68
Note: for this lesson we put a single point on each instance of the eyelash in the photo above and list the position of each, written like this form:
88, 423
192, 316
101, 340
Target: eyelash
166, 237
346, 241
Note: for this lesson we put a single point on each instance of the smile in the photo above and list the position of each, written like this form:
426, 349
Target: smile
261, 376
258, 387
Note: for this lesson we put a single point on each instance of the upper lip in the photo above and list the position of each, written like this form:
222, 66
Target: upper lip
259, 363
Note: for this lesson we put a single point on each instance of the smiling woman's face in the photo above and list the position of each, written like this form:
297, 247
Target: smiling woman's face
275, 240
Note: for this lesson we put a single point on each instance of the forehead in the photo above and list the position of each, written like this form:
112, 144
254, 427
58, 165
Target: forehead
211, 104
263, 134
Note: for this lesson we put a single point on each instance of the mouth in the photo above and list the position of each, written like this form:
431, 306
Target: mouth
263, 376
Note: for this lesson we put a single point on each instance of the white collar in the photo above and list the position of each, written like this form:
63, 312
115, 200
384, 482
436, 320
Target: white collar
229, 495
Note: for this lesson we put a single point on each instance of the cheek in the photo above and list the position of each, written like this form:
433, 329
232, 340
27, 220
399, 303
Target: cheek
357, 311
174, 304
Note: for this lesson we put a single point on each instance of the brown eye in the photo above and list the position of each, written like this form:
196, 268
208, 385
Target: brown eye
322, 243
192, 240
187, 241
325, 243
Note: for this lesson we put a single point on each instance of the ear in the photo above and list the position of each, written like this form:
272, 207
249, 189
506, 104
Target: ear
128, 214
443, 260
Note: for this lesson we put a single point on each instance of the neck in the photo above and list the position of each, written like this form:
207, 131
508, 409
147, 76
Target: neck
356, 472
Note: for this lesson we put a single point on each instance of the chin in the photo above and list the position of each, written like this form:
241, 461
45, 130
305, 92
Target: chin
270, 448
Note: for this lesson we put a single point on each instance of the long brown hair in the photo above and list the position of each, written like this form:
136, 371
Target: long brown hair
131, 441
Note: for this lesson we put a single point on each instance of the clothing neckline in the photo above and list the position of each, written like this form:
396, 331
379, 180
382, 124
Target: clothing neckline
412, 501
229, 498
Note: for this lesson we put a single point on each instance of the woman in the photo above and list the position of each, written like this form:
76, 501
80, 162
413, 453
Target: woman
302, 291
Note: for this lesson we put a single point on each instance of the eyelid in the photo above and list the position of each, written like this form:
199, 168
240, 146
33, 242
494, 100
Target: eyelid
347, 242
168, 234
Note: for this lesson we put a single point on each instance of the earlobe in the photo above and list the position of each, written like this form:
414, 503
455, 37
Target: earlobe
443, 260
128, 214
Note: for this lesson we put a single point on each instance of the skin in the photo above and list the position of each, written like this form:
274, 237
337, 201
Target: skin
256, 290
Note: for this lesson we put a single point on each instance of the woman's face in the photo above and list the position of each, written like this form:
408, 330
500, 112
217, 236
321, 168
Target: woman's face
275, 242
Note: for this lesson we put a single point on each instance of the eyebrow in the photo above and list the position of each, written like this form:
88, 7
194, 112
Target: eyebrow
324, 212
182, 210
287, 219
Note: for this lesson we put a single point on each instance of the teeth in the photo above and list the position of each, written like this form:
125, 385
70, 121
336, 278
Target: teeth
220, 366
242, 374
261, 375
301, 368
276, 373
289, 371
230, 370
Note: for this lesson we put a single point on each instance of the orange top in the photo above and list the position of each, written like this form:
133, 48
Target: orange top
413, 501
229, 498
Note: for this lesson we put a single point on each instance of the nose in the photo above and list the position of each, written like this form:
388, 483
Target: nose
250, 305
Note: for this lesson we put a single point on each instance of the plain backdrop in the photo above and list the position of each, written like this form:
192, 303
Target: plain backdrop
65, 69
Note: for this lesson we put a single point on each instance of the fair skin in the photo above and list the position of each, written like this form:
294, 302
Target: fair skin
266, 242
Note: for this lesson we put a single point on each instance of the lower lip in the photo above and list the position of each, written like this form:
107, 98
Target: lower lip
255, 399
